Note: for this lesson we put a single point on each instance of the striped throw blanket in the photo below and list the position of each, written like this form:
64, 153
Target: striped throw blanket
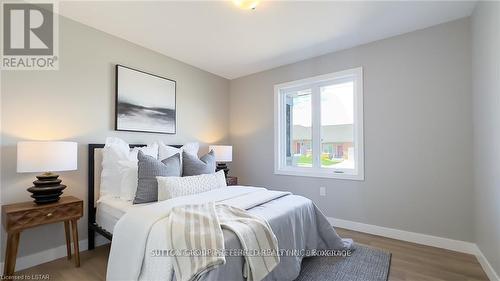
195, 235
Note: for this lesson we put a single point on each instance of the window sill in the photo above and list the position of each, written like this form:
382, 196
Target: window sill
320, 174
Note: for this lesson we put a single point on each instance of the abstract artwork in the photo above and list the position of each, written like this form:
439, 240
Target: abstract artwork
144, 102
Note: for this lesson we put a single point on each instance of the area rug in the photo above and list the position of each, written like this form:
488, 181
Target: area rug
365, 264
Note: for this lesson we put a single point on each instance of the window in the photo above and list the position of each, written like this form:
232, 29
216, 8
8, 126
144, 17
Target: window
319, 126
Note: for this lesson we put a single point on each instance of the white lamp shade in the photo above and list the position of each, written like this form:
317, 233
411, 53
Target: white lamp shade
223, 153
46, 156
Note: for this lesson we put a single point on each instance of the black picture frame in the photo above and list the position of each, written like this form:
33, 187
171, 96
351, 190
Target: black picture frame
119, 105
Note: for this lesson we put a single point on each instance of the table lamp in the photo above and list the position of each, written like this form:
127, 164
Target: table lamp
46, 157
223, 155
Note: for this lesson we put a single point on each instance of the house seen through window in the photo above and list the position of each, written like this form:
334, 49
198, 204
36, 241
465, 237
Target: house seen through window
319, 126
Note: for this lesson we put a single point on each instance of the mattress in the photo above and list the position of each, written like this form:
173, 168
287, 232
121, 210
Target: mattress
110, 210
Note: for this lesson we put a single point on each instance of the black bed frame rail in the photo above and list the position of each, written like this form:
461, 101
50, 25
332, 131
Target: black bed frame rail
93, 227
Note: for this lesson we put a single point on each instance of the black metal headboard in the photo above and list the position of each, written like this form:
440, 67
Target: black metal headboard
93, 227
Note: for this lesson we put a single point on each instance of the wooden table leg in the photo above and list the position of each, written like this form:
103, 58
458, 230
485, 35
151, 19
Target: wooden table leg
68, 239
74, 229
11, 253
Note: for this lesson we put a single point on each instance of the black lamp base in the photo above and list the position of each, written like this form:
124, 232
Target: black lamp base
47, 189
222, 166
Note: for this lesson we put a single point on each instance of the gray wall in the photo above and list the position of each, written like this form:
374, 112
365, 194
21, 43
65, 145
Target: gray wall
77, 103
486, 91
418, 133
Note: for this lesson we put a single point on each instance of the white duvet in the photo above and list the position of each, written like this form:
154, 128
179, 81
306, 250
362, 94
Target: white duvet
142, 230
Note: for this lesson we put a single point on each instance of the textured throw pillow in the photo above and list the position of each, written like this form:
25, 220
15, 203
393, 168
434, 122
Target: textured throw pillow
148, 169
192, 165
171, 187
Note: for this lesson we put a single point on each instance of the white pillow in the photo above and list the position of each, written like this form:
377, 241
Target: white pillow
165, 151
129, 179
150, 149
116, 150
171, 187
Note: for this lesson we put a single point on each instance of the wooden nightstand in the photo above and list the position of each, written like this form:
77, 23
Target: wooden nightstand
231, 180
20, 216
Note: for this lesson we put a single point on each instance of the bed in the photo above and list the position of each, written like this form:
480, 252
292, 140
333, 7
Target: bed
295, 220
113, 209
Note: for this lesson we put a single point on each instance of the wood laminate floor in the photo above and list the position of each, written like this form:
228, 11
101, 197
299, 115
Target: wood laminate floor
409, 262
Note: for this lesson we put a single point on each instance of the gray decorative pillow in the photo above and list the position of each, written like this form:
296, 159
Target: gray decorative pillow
192, 166
148, 169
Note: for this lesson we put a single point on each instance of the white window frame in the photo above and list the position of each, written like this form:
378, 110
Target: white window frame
280, 90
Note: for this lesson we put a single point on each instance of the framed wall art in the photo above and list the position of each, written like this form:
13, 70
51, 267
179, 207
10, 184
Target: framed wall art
144, 102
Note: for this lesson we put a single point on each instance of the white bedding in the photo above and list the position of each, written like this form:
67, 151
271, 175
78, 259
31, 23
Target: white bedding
110, 209
146, 228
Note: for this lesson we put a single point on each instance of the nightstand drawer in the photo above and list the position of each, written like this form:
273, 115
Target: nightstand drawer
29, 218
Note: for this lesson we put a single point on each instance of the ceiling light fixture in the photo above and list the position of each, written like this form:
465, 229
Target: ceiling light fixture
246, 4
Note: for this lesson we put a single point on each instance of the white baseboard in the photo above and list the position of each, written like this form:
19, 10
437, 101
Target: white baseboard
485, 264
51, 254
419, 238
423, 239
